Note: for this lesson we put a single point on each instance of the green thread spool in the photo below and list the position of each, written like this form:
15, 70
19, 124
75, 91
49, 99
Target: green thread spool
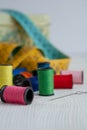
46, 81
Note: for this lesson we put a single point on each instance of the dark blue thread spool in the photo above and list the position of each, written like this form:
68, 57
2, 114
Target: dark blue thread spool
43, 65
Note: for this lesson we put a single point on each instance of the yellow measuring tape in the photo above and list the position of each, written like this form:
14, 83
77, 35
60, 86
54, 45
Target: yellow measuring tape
19, 56
28, 57
35, 56
59, 64
5, 51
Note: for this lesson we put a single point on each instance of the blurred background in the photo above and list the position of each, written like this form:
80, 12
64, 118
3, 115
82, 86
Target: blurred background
68, 21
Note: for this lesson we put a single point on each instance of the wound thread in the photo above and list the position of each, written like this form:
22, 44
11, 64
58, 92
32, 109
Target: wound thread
18, 71
18, 79
77, 76
17, 95
33, 81
63, 81
43, 65
46, 82
5, 75
26, 74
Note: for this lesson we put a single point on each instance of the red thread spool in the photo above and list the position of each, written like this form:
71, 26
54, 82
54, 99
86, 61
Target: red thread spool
17, 95
63, 81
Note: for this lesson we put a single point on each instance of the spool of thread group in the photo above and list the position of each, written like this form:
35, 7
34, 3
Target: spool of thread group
18, 71
46, 81
17, 95
63, 81
18, 79
33, 82
77, 76
5, 75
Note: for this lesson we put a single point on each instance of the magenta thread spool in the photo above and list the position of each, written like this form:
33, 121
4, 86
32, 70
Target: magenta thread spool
77, 76
17, 95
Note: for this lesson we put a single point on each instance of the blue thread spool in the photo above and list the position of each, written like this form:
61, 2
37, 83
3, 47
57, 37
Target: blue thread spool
43, 65
33, 81
18, 71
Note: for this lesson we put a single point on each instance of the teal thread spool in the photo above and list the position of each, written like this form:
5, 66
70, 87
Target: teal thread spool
46, 81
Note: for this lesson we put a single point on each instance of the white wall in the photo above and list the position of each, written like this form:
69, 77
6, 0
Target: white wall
68, 21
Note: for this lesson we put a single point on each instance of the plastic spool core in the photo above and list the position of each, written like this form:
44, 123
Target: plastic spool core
26, 83
18, 79
42, 63
34, 72
2, 91
28, 96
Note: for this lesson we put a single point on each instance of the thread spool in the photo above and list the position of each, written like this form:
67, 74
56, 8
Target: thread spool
26, 74
77, 76
40, 65
17, 95
5, 75
46, 82
18, 79
18, 71
34, 72
33, 82
63, 81
43, 65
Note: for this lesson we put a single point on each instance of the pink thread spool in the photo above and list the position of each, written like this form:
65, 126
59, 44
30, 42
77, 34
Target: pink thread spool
17, 95
77, 76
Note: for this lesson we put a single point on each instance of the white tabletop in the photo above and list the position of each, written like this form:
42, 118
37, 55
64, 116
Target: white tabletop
69, 113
